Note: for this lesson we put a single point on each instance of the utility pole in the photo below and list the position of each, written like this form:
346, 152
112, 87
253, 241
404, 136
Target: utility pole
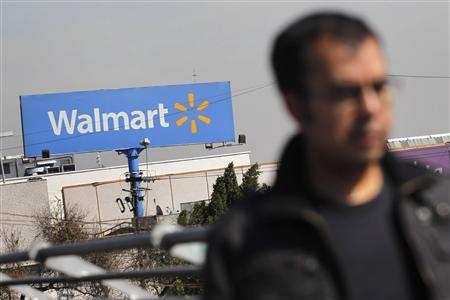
194, 76
1, 166
135, 177
2, 135
98, 160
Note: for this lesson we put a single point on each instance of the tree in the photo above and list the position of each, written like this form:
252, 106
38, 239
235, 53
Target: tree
183, 218
231, 185
153, 258
226, 191
199, 214
11, 241
250, 180
72, 228
56, 230
264, 189
218, 204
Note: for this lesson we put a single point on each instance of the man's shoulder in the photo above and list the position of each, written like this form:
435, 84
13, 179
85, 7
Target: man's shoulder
247, 217
242, 217
433, 188
242, 211
412, 179
259, 205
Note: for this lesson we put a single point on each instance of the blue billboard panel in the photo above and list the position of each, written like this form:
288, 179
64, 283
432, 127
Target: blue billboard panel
118, 119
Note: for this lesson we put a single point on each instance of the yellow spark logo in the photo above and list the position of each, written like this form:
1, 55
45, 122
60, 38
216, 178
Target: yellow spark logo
201, 107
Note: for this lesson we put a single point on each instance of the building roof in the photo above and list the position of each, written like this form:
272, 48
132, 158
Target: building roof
418, 141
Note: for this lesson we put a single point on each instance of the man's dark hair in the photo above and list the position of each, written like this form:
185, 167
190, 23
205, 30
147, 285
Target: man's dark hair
293, 46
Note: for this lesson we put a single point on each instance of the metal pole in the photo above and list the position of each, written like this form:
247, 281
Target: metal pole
98, 210
136, 193
16, 165
117, 243
207, 185
197, 234
135, 180
2, 135
171, 192
3, 170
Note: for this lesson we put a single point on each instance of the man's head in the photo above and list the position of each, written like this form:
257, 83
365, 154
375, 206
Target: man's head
331, 72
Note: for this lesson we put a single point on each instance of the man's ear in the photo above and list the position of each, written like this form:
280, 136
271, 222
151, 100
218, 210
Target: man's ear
295, 106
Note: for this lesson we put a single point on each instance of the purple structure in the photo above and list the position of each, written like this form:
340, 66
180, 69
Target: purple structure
436, 158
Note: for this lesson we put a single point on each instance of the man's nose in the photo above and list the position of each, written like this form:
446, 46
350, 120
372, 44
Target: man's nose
369, 100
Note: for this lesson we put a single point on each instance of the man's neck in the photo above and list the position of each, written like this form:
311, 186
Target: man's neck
354, 184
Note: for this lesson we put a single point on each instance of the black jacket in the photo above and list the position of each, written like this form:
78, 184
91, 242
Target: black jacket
275, 246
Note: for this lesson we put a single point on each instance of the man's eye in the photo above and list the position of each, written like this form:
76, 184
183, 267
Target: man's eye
343, 93
378, 87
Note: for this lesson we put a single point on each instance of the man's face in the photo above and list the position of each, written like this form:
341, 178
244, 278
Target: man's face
348, 113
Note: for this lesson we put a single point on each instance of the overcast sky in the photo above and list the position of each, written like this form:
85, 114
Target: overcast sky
50, 47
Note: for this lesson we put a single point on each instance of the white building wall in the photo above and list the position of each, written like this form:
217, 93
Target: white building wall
168, 191
95, 191
56, 181
19, 204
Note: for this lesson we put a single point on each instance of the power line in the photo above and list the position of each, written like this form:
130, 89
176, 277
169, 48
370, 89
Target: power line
23, 222
18, 224
419, 76
207, 97
16, 215
237, 94
33, 217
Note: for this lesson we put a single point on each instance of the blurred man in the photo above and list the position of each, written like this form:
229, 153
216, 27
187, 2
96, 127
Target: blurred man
344, 220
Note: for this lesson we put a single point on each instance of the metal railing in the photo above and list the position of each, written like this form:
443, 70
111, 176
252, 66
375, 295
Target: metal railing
187, 244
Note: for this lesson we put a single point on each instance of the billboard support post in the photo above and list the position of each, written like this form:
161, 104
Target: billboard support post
135, 179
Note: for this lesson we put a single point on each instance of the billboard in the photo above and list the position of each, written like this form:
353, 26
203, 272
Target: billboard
118, 119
